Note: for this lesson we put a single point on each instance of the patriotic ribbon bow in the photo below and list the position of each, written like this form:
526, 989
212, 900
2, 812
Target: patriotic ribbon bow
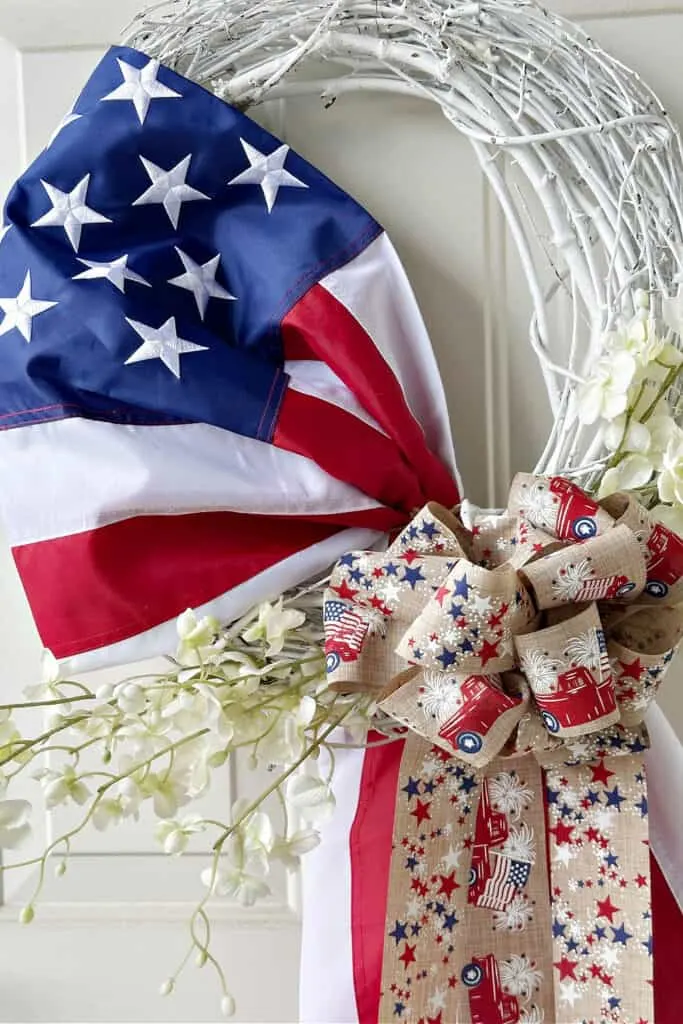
537, 629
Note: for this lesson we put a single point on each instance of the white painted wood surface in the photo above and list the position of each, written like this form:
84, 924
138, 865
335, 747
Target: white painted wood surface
111, 929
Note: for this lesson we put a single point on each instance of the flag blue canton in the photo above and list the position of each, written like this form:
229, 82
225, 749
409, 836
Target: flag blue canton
150, 254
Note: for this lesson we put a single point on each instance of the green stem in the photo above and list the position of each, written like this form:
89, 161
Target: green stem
44, 703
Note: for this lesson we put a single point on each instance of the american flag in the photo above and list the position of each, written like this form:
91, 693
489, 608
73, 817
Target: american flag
344, 626
507, 877
214, 378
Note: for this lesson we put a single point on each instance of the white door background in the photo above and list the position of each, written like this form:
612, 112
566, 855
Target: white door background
108, 932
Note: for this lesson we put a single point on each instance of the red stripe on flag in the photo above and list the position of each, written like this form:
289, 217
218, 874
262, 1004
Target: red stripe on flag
667, 922
324, 326
348, 449
370, 847
94, 588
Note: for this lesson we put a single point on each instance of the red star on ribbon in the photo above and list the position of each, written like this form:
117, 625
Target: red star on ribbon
601, 774
421, 811
441, 594
562, 833
408, 955
607, 909
566, 968
409, 556
640, 881
488, 652
346, 592
448, 885
633, 671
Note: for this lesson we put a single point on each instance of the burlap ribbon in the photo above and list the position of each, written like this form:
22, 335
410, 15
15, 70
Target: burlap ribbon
522, 654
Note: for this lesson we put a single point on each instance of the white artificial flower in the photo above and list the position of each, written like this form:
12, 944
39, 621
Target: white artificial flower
273, 624
131, 698
47, 689
14, 823
253, 839
63, 785
291, 850
311, 797
605, 393
233, 881
632, 438
9, 733
174, 833
285, 740
671, 516
638, 337
632, 472
110, 810
168, 791
670, 482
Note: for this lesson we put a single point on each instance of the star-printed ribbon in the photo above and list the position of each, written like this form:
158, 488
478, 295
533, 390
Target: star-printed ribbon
526, 649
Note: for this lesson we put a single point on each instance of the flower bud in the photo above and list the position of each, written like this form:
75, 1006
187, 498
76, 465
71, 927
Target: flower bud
201, 957
218, 759
167, 987
60, 869
227, 1005
105, 692
27, 914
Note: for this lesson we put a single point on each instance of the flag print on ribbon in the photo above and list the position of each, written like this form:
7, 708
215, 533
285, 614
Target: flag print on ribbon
190, 309
472, 843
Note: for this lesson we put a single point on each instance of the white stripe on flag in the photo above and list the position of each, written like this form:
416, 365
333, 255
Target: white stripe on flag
327, 990
73, 475
374, 288
313, 377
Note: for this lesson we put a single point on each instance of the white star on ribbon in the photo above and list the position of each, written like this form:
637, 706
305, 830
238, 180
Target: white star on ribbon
268, 171
200, 279
482, 605
70, 211
115, 271
563, 855
64, 123
169, 188
451, 860
20, 310
162, 343
140, 87
569, 992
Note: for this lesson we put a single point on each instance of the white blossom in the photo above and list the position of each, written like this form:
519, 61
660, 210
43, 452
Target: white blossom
670, 482
290, 851
15, 827
62, 785
605, 393
48, 688
273, 625
670, 515
174, 833
311, 797
238, 883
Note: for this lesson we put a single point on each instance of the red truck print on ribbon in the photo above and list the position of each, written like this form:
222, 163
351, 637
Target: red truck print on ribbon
482, 705
578, 700
576, 511
664, 561
345, 631
489, 1004
495, 878
604, 588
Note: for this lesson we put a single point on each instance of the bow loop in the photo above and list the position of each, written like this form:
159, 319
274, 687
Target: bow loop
536, 630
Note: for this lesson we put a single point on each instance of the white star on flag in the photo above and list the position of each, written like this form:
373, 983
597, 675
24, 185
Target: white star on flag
200, 279
64, 123
115, 271
169, 188
140, 87
162, 343
69, 211
20, 310
268, 171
